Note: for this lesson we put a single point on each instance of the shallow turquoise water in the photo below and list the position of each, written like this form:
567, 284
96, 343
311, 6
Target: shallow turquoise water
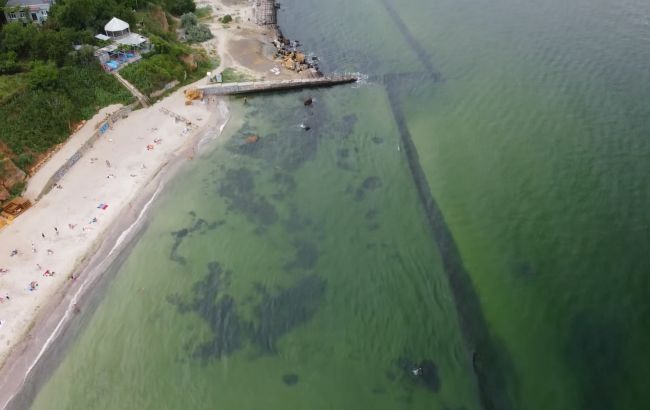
314, 269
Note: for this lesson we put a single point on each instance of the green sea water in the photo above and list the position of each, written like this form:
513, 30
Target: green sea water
478, 205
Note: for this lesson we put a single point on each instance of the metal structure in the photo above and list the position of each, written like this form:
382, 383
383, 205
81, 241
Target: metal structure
265, 12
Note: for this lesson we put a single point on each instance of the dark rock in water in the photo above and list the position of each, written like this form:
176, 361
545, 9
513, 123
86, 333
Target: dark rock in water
288, 151
290, 379
424, 372
309, 101
429, 375
377, 140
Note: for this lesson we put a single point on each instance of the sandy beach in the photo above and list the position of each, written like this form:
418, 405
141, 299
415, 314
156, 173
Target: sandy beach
52, 238
56, 250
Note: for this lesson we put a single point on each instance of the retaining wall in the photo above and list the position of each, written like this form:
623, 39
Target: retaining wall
101, 129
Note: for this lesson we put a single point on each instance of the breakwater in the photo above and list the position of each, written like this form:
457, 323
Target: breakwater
252, 87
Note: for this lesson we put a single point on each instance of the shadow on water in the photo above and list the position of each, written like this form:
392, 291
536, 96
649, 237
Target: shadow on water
421, 53
490, 362
595, 349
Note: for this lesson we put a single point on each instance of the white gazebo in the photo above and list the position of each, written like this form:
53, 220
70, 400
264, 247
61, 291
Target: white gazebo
117, 28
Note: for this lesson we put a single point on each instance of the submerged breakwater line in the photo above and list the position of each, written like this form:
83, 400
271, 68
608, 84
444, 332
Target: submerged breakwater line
421, 53
488, 361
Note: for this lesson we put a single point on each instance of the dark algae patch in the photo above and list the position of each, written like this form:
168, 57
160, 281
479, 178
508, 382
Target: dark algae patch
285, 184
295, 222
369, 184
218, 310
278, 313
345, 127
306, 256
275, 314
238, 188
198, 224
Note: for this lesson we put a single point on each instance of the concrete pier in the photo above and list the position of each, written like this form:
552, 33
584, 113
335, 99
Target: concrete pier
277, 85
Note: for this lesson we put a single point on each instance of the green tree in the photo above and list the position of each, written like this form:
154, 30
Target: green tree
43, 75
197, 34
8, 63
52, 45
77, 14
178, 7
189, 20
17, 37
93, 14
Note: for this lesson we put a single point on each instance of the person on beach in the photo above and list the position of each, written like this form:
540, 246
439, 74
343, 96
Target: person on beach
14, 252
43, 235
56, 230
33, 247
50, 252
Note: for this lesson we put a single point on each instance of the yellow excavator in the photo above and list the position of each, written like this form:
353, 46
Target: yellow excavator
192, 94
